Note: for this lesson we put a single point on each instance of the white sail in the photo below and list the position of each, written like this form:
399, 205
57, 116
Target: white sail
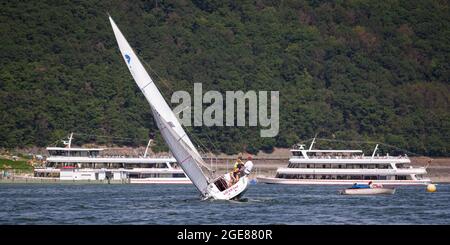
171, 130
147, 86
186, 157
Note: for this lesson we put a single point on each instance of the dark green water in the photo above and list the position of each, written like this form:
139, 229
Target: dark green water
180, 204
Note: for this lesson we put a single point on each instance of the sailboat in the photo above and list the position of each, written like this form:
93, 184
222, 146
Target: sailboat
184, 151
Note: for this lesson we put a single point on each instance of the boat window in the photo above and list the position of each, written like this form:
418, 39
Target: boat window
133, 175
370, 177
297, 153
94, 153
355, 177
58, 153
221, 184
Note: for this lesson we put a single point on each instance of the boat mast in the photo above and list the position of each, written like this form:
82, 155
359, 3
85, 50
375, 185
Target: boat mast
146, 149
374, 151
312, 143
68, 143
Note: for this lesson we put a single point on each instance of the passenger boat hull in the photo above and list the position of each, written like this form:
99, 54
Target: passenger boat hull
272, 180
368, 191
160, 181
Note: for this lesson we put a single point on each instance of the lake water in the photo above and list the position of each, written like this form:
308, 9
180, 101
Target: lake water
180, 204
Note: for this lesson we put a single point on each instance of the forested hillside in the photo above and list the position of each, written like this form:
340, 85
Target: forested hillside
360, 70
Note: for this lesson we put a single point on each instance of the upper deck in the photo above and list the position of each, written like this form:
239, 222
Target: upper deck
93, 155
350, 160
302, 155
74, 152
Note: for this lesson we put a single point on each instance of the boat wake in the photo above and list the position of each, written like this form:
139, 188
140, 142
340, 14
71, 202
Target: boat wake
247, 201
240, 200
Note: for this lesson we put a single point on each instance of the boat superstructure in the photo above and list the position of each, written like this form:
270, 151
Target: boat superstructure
339, 167
75, 163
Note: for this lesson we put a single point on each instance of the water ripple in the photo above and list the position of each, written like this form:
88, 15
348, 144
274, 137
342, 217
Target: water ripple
180, 204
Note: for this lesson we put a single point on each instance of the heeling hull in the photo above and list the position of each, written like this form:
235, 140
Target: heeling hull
160, 181
234, 192
270, 180
369, 191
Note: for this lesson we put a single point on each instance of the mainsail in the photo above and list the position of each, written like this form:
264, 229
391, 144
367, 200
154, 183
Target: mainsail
146, 84
186, 157
171, 130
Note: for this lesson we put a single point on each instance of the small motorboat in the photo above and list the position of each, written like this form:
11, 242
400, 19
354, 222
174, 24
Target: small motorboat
370, 189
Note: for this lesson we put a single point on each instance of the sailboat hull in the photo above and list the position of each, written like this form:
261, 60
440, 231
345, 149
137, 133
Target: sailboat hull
233, 192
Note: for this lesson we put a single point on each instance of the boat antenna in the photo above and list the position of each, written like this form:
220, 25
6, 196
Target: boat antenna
68, 143
312, 143
374, 151
146, 149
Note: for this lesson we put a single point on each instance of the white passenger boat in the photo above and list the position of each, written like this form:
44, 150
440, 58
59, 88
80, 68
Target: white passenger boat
74, 163
176, 138
343, 167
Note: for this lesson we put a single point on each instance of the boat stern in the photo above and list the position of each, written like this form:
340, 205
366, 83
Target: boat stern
235, 191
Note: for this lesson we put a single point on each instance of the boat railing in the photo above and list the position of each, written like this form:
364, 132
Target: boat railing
115, 156
351, 157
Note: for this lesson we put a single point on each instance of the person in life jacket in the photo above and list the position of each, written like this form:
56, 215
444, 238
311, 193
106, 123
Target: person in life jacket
236, 170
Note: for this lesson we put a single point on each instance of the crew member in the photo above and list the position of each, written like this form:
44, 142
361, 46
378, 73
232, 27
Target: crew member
236, 170
248, 166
